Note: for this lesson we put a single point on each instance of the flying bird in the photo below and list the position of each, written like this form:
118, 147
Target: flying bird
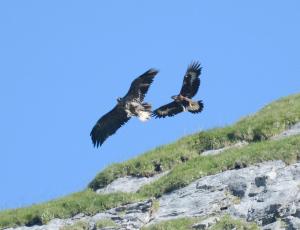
183, 101
128, 106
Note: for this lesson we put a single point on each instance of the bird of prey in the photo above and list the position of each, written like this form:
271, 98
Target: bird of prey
183, 101
128, 106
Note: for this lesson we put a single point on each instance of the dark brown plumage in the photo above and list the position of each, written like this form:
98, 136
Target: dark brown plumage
183, 101
130, 105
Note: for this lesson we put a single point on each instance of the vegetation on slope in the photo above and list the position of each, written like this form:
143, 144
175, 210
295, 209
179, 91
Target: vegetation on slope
225, 223
87, 202
287, 149
80, 225
256, 129
83, 225
228, 223
179, 224
269, 121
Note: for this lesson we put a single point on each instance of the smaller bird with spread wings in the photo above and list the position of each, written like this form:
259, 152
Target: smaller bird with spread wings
183, 101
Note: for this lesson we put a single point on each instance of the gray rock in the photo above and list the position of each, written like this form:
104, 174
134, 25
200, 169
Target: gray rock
279, 199
264, 193
237, 186
218, 151
261, 181
293, 223
131, 216
294, 130
297, 213
278, 225
129, 184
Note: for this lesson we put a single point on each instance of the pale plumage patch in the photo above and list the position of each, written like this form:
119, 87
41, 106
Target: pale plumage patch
195, 106
144, 115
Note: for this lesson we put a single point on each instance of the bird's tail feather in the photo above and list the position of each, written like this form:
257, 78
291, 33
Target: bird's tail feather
145, 114
195, 107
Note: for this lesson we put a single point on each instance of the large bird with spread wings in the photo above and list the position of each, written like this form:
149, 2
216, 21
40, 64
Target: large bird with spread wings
183, 101
128, 106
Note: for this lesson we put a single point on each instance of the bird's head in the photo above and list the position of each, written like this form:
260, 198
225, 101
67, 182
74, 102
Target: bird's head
174, 97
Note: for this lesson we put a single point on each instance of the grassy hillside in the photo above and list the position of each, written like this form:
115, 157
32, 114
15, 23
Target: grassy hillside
287, 150
87, 202
256, 129
271, 120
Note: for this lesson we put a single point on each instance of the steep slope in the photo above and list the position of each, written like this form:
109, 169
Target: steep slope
246, 143
266, 123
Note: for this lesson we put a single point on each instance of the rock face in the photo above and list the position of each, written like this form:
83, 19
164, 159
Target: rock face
131, 216
262, 193
267, 193
128, 184
218, 151
294, 130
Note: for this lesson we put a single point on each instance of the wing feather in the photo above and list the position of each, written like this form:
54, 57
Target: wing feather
108, 124
191, 80
139, 87
169, 110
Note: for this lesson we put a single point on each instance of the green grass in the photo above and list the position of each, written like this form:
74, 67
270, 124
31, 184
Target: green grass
287, 149
80, 225
179, 224
269, 121
105, 223
87, 202
225, 223
228, 223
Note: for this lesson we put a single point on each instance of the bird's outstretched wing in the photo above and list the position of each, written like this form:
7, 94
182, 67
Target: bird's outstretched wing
169, 110
140, 85
191, 80
108, 124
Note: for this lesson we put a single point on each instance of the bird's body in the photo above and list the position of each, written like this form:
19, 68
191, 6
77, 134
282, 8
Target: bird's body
139, 109
128, 106
183, 101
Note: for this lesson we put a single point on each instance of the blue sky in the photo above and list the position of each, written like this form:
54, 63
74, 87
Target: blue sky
64, 63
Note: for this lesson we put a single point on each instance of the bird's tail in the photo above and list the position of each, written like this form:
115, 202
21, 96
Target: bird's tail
195, 106
145, 113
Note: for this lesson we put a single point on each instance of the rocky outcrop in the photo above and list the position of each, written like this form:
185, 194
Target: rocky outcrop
131, 216
129, 184
267, 193
262, 193
294, 130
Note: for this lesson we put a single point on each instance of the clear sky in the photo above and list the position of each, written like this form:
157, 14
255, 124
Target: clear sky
64, 63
